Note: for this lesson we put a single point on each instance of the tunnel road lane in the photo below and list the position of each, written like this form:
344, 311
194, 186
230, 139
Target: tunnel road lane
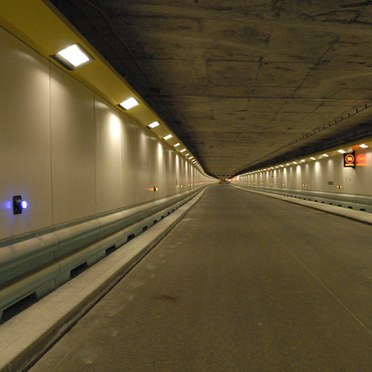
243, 283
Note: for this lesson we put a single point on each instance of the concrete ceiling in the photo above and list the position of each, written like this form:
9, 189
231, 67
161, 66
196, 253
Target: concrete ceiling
242, 83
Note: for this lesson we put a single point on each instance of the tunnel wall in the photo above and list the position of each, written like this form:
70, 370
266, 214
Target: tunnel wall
69, 153
326, 175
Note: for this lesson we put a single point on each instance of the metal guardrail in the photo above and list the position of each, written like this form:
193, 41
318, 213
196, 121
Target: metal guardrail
355, 202
33, 266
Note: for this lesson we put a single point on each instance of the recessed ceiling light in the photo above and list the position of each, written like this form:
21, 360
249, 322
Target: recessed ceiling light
167, 137
153, 125
312, 158
129, 103
183, 150
363, 146
176, 145
341, 151
302, 160
325, 155
73, 56
295, 162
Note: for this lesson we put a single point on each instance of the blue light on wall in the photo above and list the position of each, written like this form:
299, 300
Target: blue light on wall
18, 204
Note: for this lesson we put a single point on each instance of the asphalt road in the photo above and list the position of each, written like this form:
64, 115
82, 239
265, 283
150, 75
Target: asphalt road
243, 283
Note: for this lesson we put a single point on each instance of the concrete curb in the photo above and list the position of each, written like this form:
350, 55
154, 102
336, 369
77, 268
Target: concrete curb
358, 216
27, 336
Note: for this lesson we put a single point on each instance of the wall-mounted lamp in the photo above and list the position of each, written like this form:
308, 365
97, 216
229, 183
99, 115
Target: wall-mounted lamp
73, 57
18, 204
153, 189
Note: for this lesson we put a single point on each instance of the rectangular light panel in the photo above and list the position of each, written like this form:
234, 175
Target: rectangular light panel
154, 124
73, 56
167, 137
129, 103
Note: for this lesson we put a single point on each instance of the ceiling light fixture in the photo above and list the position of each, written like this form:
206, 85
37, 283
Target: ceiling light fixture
129, 103
167, 137
73, 57
176, 145
183, 150
363, 146
341, 151
153, 125
312, 158
325, 155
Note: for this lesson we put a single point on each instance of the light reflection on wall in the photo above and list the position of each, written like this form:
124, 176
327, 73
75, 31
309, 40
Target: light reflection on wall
115, 129
177, 163
160, 153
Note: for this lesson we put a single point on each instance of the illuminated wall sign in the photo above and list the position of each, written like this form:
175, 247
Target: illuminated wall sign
349, 160
361, 160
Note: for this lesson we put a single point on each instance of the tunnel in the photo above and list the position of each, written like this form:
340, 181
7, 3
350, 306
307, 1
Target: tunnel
185, 186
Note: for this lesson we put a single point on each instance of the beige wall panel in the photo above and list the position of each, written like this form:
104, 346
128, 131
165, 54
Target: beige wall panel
324, 175
24, 137
108, 158
169, 164
364, 172
73, 148
151, 177
131, 163
161, 173
144, 153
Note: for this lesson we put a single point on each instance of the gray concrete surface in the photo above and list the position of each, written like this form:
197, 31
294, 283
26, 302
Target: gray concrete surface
243, 283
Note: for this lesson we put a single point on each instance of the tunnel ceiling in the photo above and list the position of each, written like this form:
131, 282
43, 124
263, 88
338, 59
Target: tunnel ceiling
241, 83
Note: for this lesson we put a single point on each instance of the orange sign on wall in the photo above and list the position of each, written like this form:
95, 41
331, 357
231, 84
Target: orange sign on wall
361, 160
